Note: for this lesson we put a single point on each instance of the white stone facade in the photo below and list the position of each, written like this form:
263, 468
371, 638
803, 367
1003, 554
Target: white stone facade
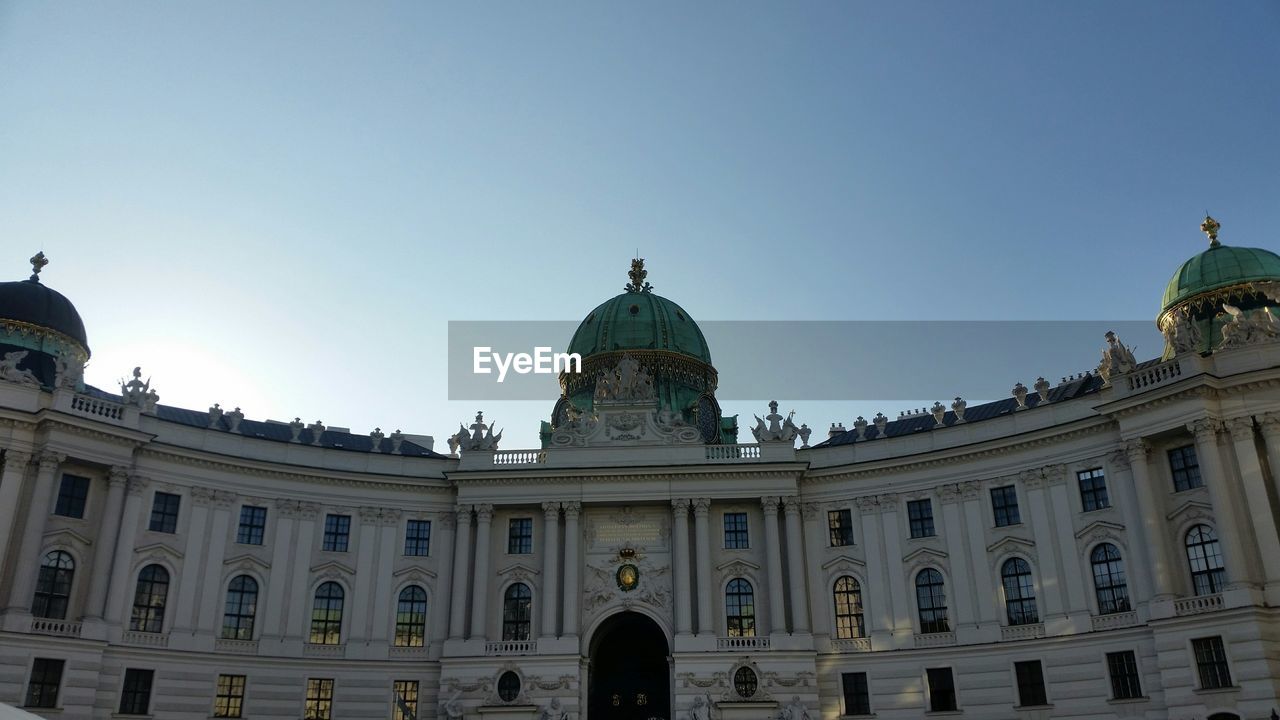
661, 509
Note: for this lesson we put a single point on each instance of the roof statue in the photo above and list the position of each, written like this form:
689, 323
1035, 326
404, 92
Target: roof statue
139, 393
38, 261
637, 275
481, 437
778, 429
1210, 228
1117, 358
9, 369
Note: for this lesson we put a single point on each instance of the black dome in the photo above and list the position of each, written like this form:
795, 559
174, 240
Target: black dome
28, 301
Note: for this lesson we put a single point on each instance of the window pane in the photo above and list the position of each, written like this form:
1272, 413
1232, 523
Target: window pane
857, 699
417, 538
229, 700
840, 523
46, 679
135, 698
735, 531
72, 494
337, 532
942, 689
520, 536
1123, 669
920, 515
253, 523
1030, 676
164, 513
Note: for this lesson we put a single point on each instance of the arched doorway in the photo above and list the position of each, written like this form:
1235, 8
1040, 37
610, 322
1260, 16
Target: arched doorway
630, 675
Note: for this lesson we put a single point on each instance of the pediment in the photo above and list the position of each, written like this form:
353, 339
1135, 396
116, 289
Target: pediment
414, 573
738, 565
518, 571
1101, 527
67, 535
245, 561
332, 568
924, 554
157, 550
1197, 509
843, 562
1009, 542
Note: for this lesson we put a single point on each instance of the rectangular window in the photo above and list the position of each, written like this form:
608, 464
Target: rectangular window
253, 523
1211, 663
920, 516
72, 494
857, 700
337, 532
841, 524
1093, 490
46, 679
1030, 675
164, 512
1185, 467
1004, 503
1123, 669
135, 698
229, 700
735, 531
417, 538
319, 705
406, 700
520, 536
942, 690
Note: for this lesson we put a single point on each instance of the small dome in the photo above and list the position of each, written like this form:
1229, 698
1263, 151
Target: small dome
639, 321
1219, 267
30, 302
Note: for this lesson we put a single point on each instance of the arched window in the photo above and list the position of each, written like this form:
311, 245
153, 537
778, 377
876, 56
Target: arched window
326, 614
848, 597
1108, 579
740, 608
53, 589
517, 613
411, 617
242, 606
1019, 592
149, 600
1205, 557
931, 601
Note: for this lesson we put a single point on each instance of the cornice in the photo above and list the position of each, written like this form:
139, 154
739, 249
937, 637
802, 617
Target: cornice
254, 468
951, 456
685, 473
124, 436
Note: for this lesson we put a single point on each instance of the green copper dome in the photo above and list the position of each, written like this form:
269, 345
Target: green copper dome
1219, 267
639, 320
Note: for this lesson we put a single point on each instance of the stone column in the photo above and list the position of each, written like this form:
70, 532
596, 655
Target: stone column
1255, 492
572, 563
189, 577
27, 568
444, 529
1137, 562
1270, 424
286, 514
702, 566
383, 602
550, 567
796, 569
461, 572
301, 599
815, 537
965, 597
1053, 591
15, 471
975, 527
680, 565
105, 545
892, 533
1151, 511
877, 598
480, 595
365, 576
213, 593
122, 580
773, 554
1071, 572
1228, 525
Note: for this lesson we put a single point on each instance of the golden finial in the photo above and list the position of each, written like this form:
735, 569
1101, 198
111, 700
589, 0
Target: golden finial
637, 275
1210, 227
38, 261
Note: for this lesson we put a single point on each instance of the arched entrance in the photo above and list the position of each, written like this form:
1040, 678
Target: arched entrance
630, 675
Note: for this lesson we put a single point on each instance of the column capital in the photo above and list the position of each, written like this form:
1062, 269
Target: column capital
370, 514
1119, 459
308, 510
888, 502
463, 514
551, 511
1031, 479
572, 508
202, 496
1241, 428
389, 517
49, 460
118, 475
791, 504
1054, 474
1137, 450
680, 506
17, 460
138, 484
867, 504
1270, 423
484, 512
1205, 429
225, 498
811, 510
770, 504
701, 507
448, 520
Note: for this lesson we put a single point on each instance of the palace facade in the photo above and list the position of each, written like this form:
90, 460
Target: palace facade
1103, 547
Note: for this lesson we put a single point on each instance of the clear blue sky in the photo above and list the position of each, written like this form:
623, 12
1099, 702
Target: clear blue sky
280, 205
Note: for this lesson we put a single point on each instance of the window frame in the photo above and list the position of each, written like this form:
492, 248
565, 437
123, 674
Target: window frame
1221, 663
414, 629
1117, 591
135, 699
740, 608
411, 703
862, 695
145, 616
1185, 475
44, 684
164, 519
931, 693
322, 699
255, 528
323, 623
229, 704
337, 533
419, 544
53, 588
736, 538
517, 612
1004, 506
78, 499
1134, 680
855, 626
1095, 496
840, 527
1214, 577
1036, 684
919, 521
938, 622
243, 622
1019, 598
520, 536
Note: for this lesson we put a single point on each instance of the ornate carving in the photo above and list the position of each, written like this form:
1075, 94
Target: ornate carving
68, 371
957, 407
888, 502
369, 514
202, 496
1137, 450
1248, 327
1042, 389
867, 504
778, 429
626, 382
49, 461
1182, 333
1270, 424
810, 511
791, 505
551, 511
447, 520
389, 516
637, 274
881, 422
481, 437
1241, 428
138, 484
1117, 358
1020, 394
939, 412
970, 489
375, 440
572, 509
9, 369
860, 426
484, 512
1205, 430
1118, 459
308, 510
117, 476
770, 504
138, 393
701, 506
16, 460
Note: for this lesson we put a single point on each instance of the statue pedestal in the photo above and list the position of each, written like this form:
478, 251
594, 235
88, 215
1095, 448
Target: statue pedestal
766, 710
